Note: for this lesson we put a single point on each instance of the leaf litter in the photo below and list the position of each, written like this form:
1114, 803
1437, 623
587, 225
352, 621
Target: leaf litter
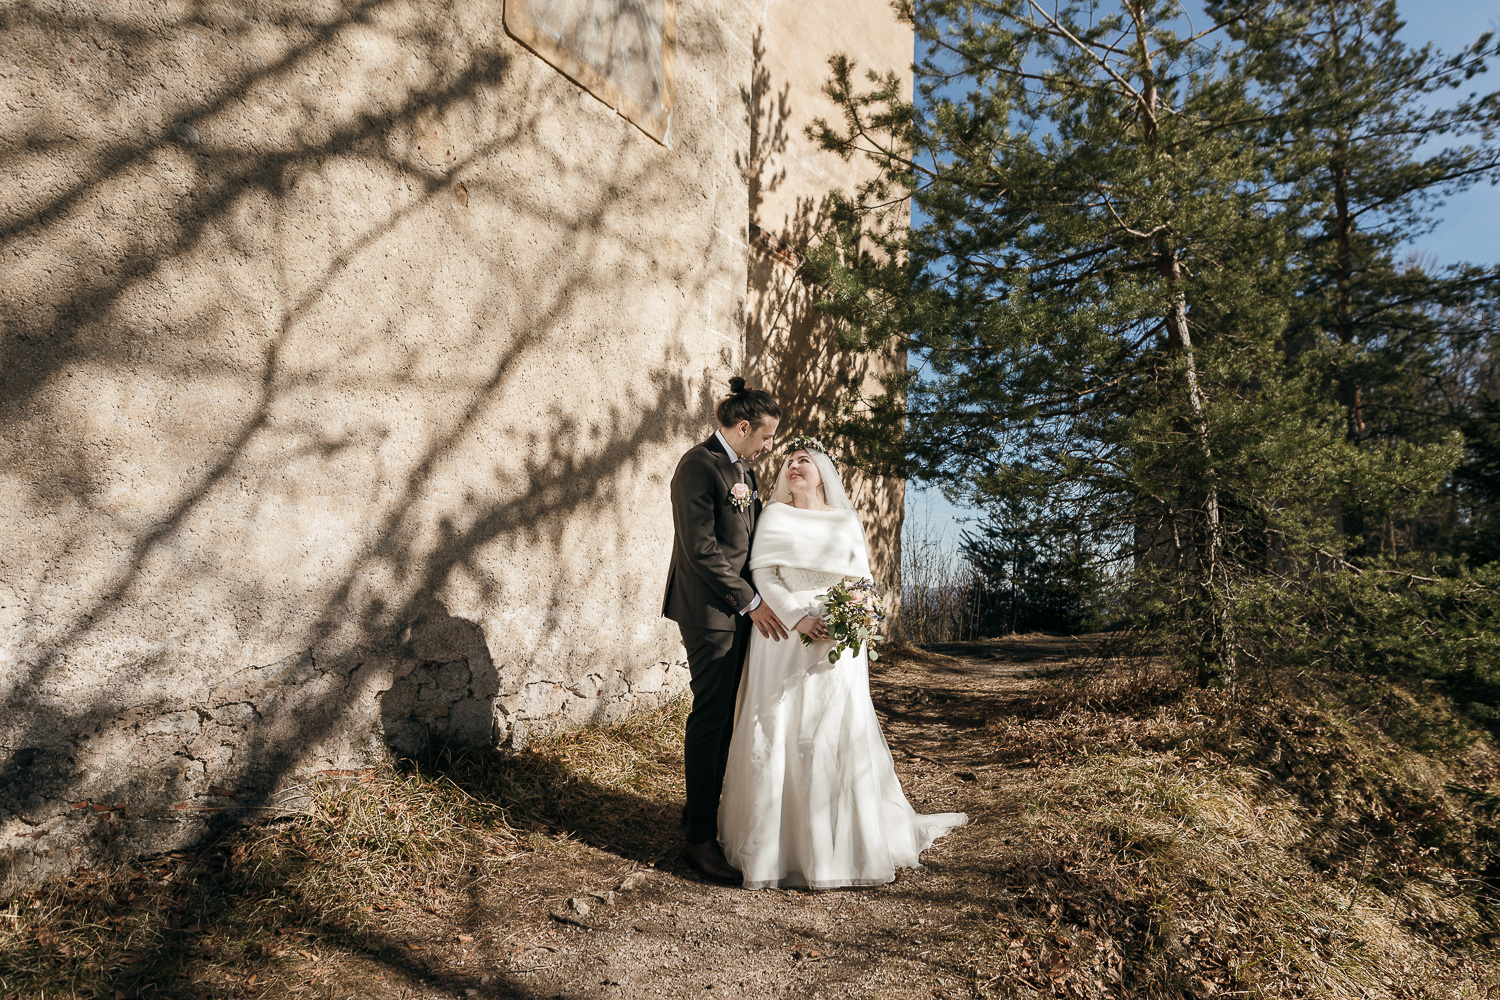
1132, 837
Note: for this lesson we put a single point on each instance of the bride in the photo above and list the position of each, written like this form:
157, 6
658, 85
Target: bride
811, 797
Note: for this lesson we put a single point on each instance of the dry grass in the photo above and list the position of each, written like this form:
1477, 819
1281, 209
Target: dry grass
1296, 843
265, 903
616, 787
641, 755
1134, 839
209, 923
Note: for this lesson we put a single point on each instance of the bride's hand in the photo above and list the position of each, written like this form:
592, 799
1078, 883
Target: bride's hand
813, 627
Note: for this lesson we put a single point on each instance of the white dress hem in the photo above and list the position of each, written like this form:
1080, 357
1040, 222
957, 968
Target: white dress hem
811, 796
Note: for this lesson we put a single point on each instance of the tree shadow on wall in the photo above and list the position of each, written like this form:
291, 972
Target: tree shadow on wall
796, 351
179, 196
768, 112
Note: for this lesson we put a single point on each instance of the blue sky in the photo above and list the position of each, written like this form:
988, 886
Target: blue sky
1467, 230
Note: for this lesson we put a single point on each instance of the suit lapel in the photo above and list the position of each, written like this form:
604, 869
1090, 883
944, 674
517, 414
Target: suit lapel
729, 477
722, 463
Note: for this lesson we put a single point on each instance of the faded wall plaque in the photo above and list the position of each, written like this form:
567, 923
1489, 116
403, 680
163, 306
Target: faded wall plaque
621, 51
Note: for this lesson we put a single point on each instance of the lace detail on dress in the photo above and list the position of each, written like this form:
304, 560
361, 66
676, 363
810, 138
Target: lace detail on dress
806, 581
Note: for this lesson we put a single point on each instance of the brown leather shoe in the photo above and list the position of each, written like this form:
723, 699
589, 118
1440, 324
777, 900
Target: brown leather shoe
707, 859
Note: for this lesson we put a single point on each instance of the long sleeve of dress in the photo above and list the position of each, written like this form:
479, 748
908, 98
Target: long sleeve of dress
772, 589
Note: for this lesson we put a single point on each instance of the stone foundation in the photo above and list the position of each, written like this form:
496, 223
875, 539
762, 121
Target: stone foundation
149, 780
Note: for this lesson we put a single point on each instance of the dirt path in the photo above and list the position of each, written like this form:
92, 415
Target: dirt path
576, 921
1129, 839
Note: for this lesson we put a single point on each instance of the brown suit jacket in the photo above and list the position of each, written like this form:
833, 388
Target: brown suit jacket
709, 582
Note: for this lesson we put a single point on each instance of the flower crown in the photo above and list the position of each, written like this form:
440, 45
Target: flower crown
806, 442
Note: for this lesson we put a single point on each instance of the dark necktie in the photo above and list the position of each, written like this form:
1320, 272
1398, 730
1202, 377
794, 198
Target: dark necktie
747, 476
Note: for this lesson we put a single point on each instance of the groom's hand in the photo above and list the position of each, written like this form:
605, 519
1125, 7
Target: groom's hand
765, 619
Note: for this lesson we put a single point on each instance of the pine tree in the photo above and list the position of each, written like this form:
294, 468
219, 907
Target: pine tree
1100, 280
1034, 573
1478, 482
1369, 148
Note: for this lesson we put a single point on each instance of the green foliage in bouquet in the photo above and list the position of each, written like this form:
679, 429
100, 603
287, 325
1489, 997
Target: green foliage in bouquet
854, 618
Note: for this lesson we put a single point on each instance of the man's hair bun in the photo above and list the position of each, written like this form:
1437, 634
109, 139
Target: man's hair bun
753, 405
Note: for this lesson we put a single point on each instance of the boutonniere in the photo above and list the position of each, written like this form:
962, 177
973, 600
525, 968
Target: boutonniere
740, 495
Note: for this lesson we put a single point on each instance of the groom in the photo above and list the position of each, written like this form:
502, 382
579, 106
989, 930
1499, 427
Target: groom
715, 502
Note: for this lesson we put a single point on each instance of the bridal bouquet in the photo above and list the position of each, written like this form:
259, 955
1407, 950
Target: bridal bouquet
854, 616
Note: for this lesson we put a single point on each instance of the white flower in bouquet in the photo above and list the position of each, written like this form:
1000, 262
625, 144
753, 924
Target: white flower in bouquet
854, 618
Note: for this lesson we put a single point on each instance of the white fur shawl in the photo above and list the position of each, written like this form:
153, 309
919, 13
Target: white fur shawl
830, 541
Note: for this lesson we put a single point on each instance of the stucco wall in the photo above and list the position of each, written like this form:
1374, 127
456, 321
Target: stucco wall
348, 349
788, 180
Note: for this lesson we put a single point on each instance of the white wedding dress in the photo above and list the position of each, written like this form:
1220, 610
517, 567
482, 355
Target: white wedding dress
811, 798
